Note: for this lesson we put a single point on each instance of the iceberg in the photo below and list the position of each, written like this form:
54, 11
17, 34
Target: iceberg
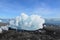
25, 22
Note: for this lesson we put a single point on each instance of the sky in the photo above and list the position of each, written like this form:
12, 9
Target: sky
44, 8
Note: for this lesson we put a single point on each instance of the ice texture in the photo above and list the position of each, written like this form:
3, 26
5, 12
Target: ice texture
25, 22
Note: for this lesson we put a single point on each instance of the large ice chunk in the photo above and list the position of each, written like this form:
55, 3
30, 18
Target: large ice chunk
25, 22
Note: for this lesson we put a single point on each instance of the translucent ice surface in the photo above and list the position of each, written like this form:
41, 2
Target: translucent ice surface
25, 22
